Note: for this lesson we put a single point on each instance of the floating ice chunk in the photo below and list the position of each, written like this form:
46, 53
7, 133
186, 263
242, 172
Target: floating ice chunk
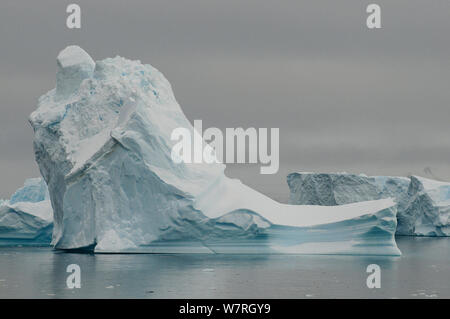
423, 205
27, 218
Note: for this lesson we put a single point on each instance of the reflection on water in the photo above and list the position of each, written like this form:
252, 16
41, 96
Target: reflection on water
422, 272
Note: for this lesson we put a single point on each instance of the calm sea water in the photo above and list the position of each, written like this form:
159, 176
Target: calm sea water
422, 272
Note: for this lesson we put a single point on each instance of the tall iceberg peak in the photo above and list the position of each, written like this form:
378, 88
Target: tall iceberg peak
105, 153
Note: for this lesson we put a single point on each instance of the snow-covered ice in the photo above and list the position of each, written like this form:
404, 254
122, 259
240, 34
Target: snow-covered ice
103, 146
423, 205
27, 218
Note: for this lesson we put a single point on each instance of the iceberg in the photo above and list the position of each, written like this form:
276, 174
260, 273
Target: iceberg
34, 191
423, 205
426, 210
102, 140
27, 218
331, 189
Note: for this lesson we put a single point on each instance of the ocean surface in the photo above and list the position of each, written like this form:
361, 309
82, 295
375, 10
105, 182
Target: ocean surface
423, 271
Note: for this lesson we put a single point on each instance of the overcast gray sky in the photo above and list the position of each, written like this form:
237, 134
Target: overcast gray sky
345, 98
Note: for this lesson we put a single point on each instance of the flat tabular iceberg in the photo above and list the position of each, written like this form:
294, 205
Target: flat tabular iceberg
26, 218
423, 205
102, 142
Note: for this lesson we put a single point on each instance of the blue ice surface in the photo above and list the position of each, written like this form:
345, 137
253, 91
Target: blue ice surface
35, 190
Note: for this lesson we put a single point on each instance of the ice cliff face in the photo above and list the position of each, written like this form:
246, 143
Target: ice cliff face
102, 142
26, 219
331, 189
422, 204
426, 208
